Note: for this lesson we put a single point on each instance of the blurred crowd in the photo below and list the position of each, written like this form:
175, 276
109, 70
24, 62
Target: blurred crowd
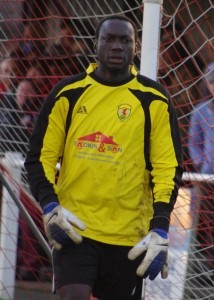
29, 72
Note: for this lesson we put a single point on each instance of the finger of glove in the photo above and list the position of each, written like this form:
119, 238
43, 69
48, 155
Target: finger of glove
55, 244
74, 236
150, 256
139, 248
164, 271
142, 268
63, 214
58, 234
52, 241
155, 267
60, 223
68, 228
73, 220
135, 252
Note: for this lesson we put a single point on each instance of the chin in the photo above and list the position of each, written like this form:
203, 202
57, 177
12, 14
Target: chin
118, 67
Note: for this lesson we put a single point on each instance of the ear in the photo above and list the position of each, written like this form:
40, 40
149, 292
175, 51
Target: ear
95, 46
136, 47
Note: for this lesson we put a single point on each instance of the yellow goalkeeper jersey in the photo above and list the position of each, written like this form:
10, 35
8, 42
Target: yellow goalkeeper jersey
120, 154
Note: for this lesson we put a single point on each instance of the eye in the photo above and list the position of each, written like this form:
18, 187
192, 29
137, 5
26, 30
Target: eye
108, 39
127, 40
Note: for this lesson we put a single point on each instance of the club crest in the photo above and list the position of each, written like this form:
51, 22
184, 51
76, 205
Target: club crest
124, 111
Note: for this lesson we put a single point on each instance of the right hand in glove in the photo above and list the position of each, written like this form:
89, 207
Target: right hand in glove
59, 225
155, 246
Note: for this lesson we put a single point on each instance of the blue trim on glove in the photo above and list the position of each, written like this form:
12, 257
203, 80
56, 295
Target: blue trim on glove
163, 233
59, 235
156, 266
49, 207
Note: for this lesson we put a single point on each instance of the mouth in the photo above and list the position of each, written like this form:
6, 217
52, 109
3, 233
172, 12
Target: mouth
116, 59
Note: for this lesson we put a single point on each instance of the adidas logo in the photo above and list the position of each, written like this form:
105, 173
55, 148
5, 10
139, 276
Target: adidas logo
82, 110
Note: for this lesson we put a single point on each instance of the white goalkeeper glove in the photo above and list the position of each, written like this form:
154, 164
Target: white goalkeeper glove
59, 225
156, 259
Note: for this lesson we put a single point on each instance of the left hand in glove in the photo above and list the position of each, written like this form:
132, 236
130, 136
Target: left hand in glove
155, 261
60, 224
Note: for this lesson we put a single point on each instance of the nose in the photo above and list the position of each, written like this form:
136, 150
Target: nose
117, 45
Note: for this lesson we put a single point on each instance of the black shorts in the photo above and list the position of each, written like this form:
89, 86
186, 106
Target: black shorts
106, 268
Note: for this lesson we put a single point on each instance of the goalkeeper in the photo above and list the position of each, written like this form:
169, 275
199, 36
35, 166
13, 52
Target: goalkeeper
115, 135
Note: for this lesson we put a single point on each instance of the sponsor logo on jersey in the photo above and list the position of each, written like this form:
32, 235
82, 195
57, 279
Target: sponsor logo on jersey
98, 141
124, 111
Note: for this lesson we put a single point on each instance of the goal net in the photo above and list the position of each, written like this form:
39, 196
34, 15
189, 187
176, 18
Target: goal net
41, 42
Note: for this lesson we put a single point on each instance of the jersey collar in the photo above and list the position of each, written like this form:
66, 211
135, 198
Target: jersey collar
93, 66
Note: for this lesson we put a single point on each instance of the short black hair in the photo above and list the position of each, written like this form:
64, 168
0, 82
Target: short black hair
116, 17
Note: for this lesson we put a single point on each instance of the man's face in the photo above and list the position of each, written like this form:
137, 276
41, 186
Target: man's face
6, 71
24, 91
116, 45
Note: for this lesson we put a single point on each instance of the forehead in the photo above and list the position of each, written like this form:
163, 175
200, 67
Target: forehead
25, 84
117, 28
67, 31
5, 63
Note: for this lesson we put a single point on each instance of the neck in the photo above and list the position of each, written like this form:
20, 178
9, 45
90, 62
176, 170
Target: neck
113, 75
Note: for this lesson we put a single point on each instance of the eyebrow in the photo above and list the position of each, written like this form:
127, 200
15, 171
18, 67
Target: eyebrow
118, 35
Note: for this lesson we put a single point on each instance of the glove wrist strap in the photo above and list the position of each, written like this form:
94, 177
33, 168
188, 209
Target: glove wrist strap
49, 207
161, 232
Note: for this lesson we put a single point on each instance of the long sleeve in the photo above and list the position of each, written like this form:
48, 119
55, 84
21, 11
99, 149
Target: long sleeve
166, 163
46, 148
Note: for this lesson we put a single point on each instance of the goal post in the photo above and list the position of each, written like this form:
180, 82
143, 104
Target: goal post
152, 16
11, 207
8, 242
